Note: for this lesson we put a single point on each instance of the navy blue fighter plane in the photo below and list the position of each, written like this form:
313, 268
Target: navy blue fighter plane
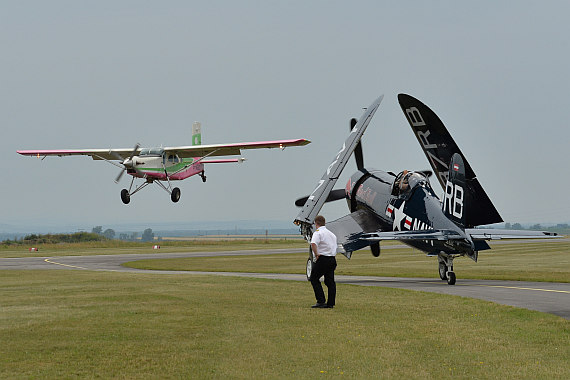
404, 206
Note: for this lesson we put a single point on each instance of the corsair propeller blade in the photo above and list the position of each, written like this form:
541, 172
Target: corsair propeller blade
358, 155
334, 195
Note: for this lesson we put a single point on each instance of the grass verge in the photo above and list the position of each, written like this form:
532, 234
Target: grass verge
80, 324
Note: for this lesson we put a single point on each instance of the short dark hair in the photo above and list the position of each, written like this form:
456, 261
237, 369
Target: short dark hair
320, 220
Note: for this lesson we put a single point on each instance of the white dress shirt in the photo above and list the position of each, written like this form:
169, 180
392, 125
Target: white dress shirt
325, 241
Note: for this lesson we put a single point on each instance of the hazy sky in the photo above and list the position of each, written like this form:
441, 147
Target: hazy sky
102, 74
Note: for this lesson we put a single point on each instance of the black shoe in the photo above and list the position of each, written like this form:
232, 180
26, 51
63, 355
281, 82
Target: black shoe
319, 306
330, 306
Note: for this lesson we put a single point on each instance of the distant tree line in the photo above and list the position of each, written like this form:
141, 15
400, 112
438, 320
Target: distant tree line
561, 228
109, 233
33, 239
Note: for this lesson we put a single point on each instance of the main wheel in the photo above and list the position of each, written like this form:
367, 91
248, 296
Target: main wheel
442, 271
125, 196
451, 278
175, 196
309, 269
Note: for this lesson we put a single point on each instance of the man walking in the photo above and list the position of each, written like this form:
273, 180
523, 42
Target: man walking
324, 247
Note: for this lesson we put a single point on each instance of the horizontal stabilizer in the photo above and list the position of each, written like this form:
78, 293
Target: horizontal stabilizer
498, 234
413, 235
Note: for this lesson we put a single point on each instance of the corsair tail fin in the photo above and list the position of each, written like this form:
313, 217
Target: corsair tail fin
196, 133
454, 196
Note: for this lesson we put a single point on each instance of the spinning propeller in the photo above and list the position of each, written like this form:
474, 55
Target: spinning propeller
127, 164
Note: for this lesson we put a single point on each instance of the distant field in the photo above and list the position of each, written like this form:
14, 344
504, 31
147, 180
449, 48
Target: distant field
84, 324
115, 247
528, 261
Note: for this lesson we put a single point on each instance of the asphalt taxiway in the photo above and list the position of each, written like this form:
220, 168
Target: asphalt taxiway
546, 297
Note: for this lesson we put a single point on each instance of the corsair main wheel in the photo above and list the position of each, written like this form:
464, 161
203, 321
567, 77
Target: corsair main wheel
175, 196
309, 268
451, 278
125, 196
442, 271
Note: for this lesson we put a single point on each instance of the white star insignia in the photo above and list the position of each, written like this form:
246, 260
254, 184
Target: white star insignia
398, 216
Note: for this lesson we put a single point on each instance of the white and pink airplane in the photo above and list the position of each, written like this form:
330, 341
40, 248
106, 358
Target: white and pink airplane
168, 164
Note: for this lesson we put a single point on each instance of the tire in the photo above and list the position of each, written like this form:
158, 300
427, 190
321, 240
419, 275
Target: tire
309, 269
125, 196
442, 271
451, 278
175, 196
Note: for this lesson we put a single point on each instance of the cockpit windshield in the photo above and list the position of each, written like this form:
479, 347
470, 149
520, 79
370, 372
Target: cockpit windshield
406, 181
151, 152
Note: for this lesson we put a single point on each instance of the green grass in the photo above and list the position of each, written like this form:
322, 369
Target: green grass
81, 324
528, 261
116, 246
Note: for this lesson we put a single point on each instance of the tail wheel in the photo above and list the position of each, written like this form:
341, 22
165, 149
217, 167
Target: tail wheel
175, 196
451, 278
125, 196
442, 271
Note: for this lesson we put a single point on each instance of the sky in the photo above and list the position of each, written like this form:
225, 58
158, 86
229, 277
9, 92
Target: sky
109, 74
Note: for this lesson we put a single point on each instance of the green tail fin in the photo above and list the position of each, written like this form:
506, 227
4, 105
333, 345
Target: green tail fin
196, 133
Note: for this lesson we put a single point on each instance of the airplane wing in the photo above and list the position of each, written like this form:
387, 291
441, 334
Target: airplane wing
350, 228
318, 197
439, 147
96, 154
182, 151
498, 234
231, 149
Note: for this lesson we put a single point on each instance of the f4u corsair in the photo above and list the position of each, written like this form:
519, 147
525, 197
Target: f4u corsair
156, 165
404, 206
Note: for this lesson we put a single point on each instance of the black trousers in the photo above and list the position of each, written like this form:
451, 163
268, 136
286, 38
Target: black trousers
324, 266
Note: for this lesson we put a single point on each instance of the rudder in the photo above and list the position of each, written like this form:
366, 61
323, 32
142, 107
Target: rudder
454, 195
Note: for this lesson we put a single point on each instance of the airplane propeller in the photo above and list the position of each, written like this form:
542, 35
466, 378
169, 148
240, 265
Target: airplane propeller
128, 163
358, 155
334, 195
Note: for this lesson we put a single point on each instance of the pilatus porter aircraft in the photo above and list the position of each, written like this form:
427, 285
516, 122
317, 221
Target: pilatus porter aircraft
404, 206
158, 165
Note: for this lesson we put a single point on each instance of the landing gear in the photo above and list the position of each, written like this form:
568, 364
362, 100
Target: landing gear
442, 271
203, 176
175, 195
310, 264
125, 196
309, 268
446, 268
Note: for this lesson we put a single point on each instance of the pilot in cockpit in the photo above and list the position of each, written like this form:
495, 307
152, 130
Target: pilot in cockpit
406, 180
401, 184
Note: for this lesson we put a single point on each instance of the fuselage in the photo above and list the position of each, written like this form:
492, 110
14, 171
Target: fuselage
156, 164
404, 208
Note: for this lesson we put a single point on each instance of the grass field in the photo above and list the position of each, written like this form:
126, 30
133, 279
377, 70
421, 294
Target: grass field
529, 261
115, 247
81, 324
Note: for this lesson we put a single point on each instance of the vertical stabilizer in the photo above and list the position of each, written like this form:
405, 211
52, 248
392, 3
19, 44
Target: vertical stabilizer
454, 196
196, 133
